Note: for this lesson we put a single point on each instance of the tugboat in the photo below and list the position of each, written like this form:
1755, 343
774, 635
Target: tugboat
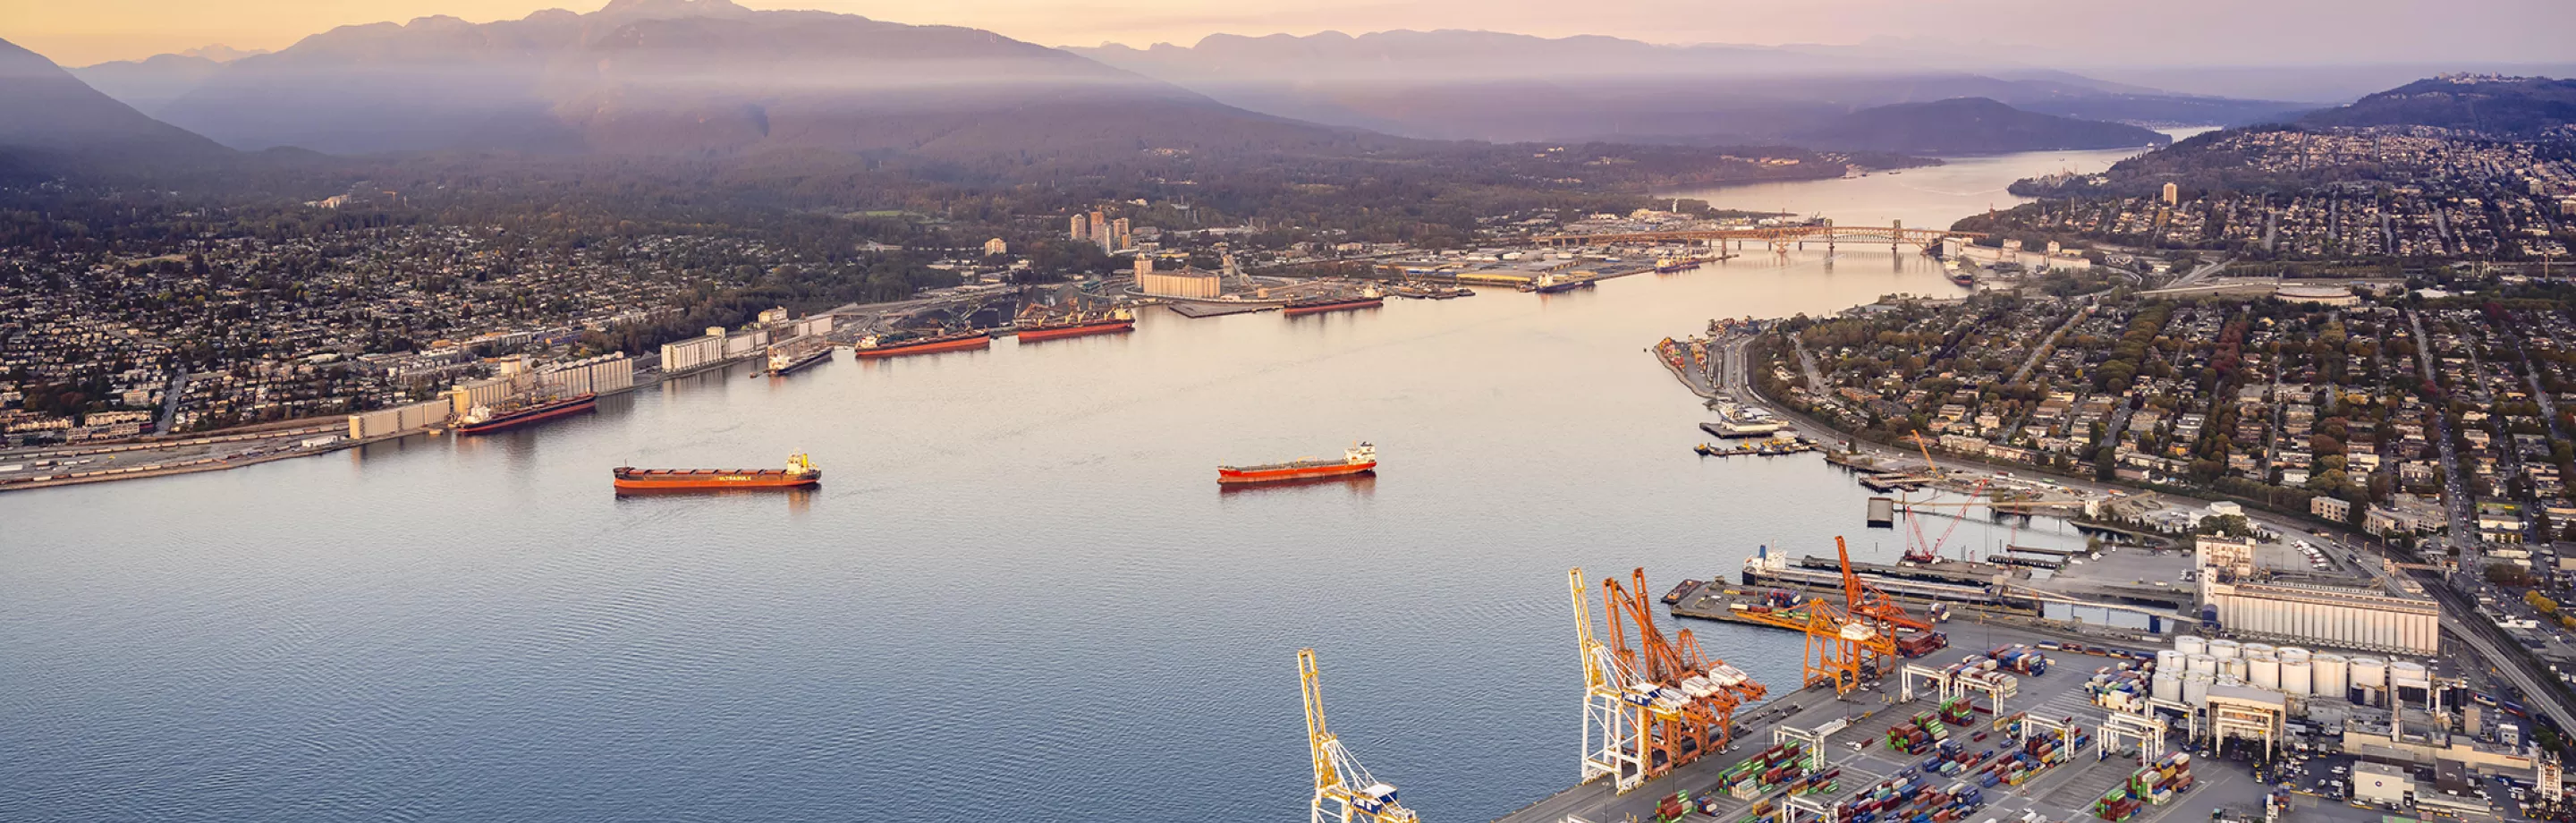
1360, 459
485, 419
1117, 320
897, 344
800, 473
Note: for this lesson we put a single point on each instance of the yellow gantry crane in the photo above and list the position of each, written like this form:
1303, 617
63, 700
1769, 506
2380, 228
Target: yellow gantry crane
1339, 779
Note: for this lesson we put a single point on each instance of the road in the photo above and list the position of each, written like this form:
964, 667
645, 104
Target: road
2455, 492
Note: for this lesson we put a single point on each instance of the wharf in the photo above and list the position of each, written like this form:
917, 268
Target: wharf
1197, 310
2019, 549
1955, 572
2051, 564
1882, 513
1884, 483
1797, 579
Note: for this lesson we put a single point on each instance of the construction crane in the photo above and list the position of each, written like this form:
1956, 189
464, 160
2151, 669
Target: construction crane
1926, 551
1616, 703
1339, 779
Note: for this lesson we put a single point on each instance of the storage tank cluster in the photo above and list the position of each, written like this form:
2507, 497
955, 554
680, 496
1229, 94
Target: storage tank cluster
2185, 672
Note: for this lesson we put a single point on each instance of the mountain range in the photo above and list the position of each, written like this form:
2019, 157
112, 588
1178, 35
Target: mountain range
2498, 106
50, 118
701, 78
1508, 87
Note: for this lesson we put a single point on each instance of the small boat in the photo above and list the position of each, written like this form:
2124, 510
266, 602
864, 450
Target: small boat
800, 473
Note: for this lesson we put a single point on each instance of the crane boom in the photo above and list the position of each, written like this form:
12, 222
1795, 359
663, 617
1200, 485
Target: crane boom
1339, 779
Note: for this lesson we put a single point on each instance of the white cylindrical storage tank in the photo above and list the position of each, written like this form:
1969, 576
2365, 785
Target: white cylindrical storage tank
2195, 688
2332, 672
2298, 677
2191, 644
2264, 672
2224, 649
2259, 649
2367, 673
2200, 664
2225, 680
2409, 673
2166, 686
2233, 667
2169, 660
2289, 653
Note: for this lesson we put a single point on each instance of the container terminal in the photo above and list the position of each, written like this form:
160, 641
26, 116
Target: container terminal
2256, 685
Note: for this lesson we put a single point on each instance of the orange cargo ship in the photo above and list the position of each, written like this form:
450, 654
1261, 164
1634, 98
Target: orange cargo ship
1360, 459
800, 472
1118, 320
874, 346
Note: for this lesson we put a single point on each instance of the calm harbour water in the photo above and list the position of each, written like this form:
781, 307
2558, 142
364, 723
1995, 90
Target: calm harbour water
1019, 592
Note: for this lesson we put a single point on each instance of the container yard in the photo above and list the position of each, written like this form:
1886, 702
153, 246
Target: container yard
1935, 692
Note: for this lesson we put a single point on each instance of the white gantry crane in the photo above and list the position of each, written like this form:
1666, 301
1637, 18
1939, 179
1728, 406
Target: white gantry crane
1616, 704
1339, 779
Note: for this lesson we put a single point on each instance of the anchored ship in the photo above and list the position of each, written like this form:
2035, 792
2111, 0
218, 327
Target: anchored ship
890, 345
800, 472
1117, 320
1553, 283
1360, 459
485, 419
797, 355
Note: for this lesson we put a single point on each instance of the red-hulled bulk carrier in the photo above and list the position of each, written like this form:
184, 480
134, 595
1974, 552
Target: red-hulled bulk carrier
800, 473
1360, 459
873, 346
1118, 320
485, 419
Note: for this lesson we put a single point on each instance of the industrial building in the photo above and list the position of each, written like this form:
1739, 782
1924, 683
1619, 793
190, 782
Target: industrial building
2352, 617
1188, 283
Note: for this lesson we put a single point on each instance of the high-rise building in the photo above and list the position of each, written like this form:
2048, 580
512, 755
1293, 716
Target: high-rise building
2173, 194
1081, 228
1120, 235
996, 247
1100, 232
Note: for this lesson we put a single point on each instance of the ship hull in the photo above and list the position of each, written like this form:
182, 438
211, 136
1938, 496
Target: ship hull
1284, 474
801, 364
530, 417
1077, 330
1964, 280
1339, 305
634, 480
901, 349
1561, 288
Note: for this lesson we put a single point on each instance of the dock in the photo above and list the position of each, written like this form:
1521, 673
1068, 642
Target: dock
2019, 549
1884, 483
2049, 563
1218, 309
1956, 572
1882, 513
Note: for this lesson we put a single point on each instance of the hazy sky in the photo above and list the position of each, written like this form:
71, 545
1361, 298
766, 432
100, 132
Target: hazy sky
2235, 32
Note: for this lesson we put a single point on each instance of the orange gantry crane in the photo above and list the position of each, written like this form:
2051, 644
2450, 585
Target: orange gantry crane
1841, 651
1676, 703
1871, 603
